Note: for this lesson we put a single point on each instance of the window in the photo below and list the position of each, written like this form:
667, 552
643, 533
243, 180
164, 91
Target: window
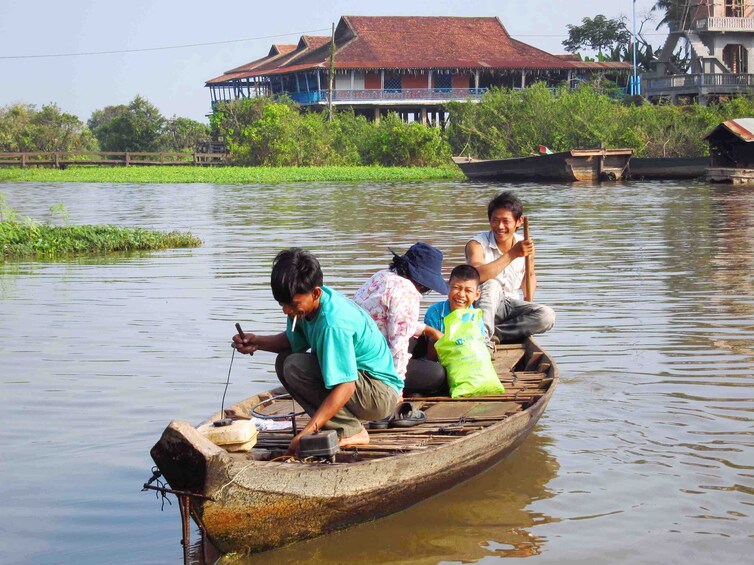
392, 83
442, 82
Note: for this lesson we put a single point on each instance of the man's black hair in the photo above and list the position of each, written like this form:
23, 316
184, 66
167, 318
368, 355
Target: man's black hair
294, 271
507, 201
465, 273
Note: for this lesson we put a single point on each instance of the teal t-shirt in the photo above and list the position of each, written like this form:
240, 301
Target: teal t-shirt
345, 340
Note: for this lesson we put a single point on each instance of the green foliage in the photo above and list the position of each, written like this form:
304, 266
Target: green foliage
261, 131
33, 239
136, 127
24, 128
182, 134
230, 175
598, 33
514, 123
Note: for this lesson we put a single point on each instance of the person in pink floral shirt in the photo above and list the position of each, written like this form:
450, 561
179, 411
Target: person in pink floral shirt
392, 297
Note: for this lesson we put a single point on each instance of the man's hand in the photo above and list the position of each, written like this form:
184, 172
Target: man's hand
247, 344
295, 446
523, 248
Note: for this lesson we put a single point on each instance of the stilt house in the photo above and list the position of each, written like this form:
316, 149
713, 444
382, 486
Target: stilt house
408, 65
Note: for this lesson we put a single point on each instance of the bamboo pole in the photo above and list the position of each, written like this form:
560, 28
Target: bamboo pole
529, 268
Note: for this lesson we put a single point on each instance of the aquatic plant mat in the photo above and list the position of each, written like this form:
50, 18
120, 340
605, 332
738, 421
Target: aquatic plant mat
228, 175
29, 239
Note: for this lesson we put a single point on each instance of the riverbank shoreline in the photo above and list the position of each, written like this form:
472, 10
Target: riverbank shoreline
229, 175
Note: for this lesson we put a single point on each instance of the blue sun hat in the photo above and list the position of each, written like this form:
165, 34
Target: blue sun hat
424, 265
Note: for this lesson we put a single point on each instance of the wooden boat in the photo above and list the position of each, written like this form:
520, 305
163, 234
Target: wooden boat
667, 168
567, 166
249, 502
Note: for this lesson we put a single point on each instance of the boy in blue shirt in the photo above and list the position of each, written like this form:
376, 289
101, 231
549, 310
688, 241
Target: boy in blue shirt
464, 291
348, 376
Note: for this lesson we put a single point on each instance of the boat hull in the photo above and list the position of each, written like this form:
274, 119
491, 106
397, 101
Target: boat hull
667, 168
568, 166
260, 505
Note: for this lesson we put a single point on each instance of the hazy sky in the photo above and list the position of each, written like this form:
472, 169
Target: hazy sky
173, 78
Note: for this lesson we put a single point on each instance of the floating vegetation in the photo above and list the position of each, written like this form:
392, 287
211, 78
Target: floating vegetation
229, 175
28, 238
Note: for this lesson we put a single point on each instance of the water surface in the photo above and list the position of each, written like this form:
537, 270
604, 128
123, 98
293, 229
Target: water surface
645, 453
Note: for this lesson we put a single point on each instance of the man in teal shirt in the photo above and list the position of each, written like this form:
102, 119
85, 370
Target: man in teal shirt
348, 376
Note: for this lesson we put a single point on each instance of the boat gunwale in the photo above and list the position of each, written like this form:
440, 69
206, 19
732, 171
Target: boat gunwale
239, 459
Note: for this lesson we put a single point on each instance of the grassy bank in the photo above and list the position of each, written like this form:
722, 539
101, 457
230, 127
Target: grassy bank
229, 175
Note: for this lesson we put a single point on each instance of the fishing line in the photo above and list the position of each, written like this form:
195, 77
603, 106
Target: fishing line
223, 421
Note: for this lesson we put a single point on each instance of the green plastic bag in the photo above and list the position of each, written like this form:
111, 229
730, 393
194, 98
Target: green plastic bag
465, 356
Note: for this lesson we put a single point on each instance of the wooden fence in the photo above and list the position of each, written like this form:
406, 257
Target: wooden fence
63, 159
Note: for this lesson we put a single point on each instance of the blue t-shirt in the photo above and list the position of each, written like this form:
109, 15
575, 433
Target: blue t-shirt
435, 316
345, 340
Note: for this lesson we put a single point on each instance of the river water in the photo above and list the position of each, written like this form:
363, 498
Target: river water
645, 454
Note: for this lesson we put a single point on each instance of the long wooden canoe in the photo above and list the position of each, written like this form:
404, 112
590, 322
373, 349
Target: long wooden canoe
566, 166
250, 502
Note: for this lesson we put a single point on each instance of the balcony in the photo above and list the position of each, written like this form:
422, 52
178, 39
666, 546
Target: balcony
389, 96
699, 84
724, 24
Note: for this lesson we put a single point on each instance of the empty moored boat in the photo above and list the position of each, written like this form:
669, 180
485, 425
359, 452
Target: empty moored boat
566, 166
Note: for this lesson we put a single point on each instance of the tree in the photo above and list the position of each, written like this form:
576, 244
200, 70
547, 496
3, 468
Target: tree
598, 33
136, 127
182, 133
672, 12
24, 128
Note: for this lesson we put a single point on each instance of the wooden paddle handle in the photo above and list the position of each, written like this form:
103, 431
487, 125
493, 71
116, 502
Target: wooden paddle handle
529, 268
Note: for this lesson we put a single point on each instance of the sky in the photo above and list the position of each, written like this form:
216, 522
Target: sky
107, 53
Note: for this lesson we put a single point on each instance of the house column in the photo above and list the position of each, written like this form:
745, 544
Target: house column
570, 78
319, 82
523, 79
377, 115
424, 116
429, 80
352, 79
476, 80
382, 79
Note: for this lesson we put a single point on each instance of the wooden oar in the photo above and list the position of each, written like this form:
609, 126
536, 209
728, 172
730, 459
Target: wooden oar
529, 268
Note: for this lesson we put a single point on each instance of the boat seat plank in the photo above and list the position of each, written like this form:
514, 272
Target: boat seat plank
493, 409
534, 360
507, 359
443, 410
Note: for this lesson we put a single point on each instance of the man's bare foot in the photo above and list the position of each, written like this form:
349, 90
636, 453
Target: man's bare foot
361, 438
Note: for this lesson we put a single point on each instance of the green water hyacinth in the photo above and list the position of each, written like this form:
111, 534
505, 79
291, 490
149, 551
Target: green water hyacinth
30, 239
230, 175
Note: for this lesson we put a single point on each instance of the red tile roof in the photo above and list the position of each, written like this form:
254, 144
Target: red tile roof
398, 42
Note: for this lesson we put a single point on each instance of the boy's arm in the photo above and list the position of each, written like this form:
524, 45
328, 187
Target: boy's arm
487, 271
